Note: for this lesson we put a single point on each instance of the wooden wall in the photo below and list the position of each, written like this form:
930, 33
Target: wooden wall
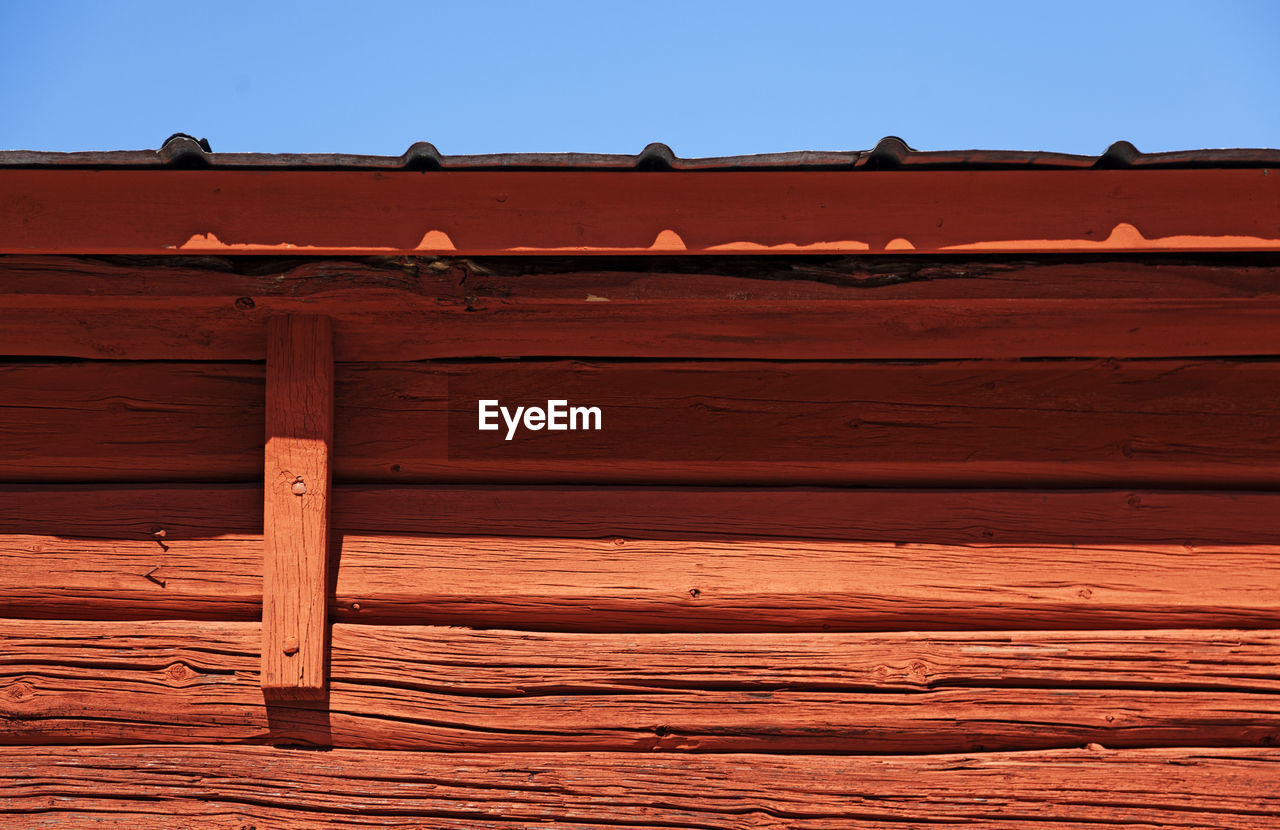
987, 543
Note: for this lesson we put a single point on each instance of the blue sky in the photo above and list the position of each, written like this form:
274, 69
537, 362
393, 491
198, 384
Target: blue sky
706, 78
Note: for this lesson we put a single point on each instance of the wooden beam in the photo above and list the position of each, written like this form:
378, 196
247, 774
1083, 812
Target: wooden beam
621, 584
770, 308
137, 512
394, 328
600, 212
158, 788
299, 443
993, 424
672, 280
958, 517
451, 689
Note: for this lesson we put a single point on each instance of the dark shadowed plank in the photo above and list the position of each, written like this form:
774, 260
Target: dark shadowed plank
981, 423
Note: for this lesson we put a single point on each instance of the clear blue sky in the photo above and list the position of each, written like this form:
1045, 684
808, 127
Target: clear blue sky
706, 78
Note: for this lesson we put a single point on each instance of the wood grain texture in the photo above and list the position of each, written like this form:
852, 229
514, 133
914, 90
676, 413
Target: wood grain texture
752, 307
1062, 517
393, 327
460, 690
131, 511
621, 584
299, 446
51, 577
735, 279
106, 420
987, 423
960, 517
234, 788
474, 212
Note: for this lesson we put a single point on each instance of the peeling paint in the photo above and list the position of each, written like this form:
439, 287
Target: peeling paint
435, 240
1123, 237
668, 240
206, 242
840, 246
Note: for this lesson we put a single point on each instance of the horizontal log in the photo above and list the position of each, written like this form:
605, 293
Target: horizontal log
137, 511
986, 423
619, 584
116, 421
663, 585
954, 517
389, 326
739, 279
458, 690
773, 307
156, 788
53, 576
514, 212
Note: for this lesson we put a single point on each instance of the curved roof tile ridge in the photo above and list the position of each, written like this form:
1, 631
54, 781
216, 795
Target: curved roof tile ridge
184, 151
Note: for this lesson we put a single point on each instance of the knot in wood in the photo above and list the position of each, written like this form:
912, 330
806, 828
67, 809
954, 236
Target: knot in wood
18, 691
179, 672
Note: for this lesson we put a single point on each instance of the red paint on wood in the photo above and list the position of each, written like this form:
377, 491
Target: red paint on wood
618, 584
794, 308
398, 328
1006, 517
295, 579
1193, 424
158, 788
729, 279
599, 212
452, 689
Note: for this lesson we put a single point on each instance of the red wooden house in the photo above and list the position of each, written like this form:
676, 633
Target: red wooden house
903, 489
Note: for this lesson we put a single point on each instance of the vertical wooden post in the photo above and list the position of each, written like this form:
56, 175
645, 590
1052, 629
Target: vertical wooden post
296, 511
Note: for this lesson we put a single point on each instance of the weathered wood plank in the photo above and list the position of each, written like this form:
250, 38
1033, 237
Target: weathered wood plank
115, 421
664, 585
133, 511
393, 327
736, 279
985, 423
51, 577
771, 307
618, 212
620, 584
156, 788
1054, 517
299, 444
458, 690
931, 516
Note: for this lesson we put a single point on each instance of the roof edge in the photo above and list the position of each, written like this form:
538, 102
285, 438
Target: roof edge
183, 151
